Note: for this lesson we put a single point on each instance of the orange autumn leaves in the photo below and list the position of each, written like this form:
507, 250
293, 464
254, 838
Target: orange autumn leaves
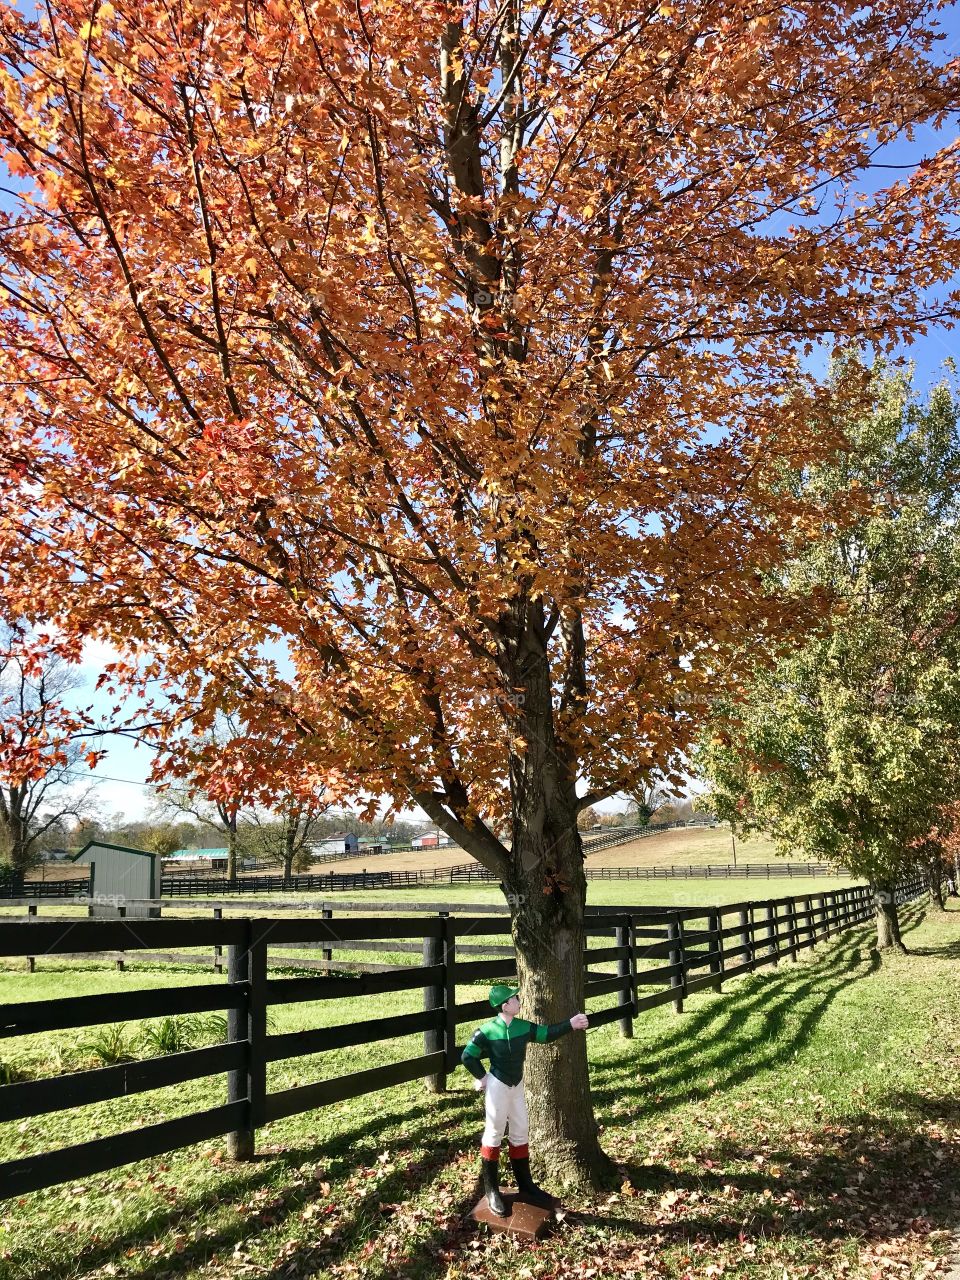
356, 359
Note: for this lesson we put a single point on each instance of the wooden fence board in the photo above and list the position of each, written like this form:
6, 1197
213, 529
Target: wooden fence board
295, 1044
38, 937
80, 1011
80, 1088
31, 1173
603, 987
470, 1012
307, 1097
471, 971
296, 990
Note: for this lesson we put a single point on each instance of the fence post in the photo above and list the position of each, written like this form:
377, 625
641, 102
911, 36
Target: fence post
31, 960
217, 949
746, 941
715, 920
326, 953
623, 971
449, 990
791, 931
633, 965
773, 944
122, 911
247, 969
675, 935
433, 998
240, 1144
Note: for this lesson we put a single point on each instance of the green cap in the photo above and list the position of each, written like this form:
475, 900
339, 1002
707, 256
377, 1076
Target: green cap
501, 992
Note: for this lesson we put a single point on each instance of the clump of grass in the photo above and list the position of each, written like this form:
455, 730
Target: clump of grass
109, 1046
9, 1074
178, 1035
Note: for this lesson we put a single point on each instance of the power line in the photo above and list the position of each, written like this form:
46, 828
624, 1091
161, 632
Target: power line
106, 777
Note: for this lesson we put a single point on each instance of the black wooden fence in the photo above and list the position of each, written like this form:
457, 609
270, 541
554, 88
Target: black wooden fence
469, 873
662, 955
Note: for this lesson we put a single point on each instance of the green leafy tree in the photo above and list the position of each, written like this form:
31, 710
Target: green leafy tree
847, 748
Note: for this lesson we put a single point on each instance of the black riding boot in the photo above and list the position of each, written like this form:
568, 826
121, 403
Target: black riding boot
491, 1187
529, 1190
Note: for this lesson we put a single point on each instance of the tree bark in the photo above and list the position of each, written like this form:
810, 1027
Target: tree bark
888, 922
289, 852
546, 890
232, 849
935, 883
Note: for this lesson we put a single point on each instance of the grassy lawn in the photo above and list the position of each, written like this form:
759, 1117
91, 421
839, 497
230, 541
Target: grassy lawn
683, 845
803, 1123
663, 893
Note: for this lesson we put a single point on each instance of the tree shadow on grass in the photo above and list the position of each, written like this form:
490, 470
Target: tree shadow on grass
869, 1180
712, 1048
354, 1148
708, 1042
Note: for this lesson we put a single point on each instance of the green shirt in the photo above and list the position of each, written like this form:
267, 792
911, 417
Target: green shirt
506, 1046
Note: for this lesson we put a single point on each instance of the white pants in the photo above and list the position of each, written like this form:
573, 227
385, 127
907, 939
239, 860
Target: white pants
506, 1109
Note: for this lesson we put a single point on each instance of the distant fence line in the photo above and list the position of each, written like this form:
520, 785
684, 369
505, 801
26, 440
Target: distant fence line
463, 873
678, 950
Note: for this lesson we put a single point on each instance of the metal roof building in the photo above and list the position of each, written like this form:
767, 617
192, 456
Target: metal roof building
119, 875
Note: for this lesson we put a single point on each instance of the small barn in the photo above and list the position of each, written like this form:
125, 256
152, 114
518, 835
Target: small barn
119, 877
341, 842
197, 860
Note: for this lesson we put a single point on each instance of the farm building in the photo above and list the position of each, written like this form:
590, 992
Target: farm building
341, 842
198, 859
119, 877
431, 840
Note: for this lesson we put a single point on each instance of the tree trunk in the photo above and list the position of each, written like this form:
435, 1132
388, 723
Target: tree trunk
289, 852
549, 938
17, 834
888, 923
935, 883
546, 890
232, 850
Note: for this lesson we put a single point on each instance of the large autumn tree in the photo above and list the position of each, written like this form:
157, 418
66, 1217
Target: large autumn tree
443, 352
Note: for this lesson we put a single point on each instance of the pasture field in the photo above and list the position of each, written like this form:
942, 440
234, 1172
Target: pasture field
802, 1123
659, 893
680, 847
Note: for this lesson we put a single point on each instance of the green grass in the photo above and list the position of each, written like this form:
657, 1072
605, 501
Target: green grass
803, 1123
599, 893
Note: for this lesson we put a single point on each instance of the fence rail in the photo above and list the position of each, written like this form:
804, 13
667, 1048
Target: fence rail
661, 955
463, 873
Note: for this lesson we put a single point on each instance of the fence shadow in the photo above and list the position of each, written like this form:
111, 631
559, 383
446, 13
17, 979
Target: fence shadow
354, 1147
881, 1178
709, 1043
710, 1040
